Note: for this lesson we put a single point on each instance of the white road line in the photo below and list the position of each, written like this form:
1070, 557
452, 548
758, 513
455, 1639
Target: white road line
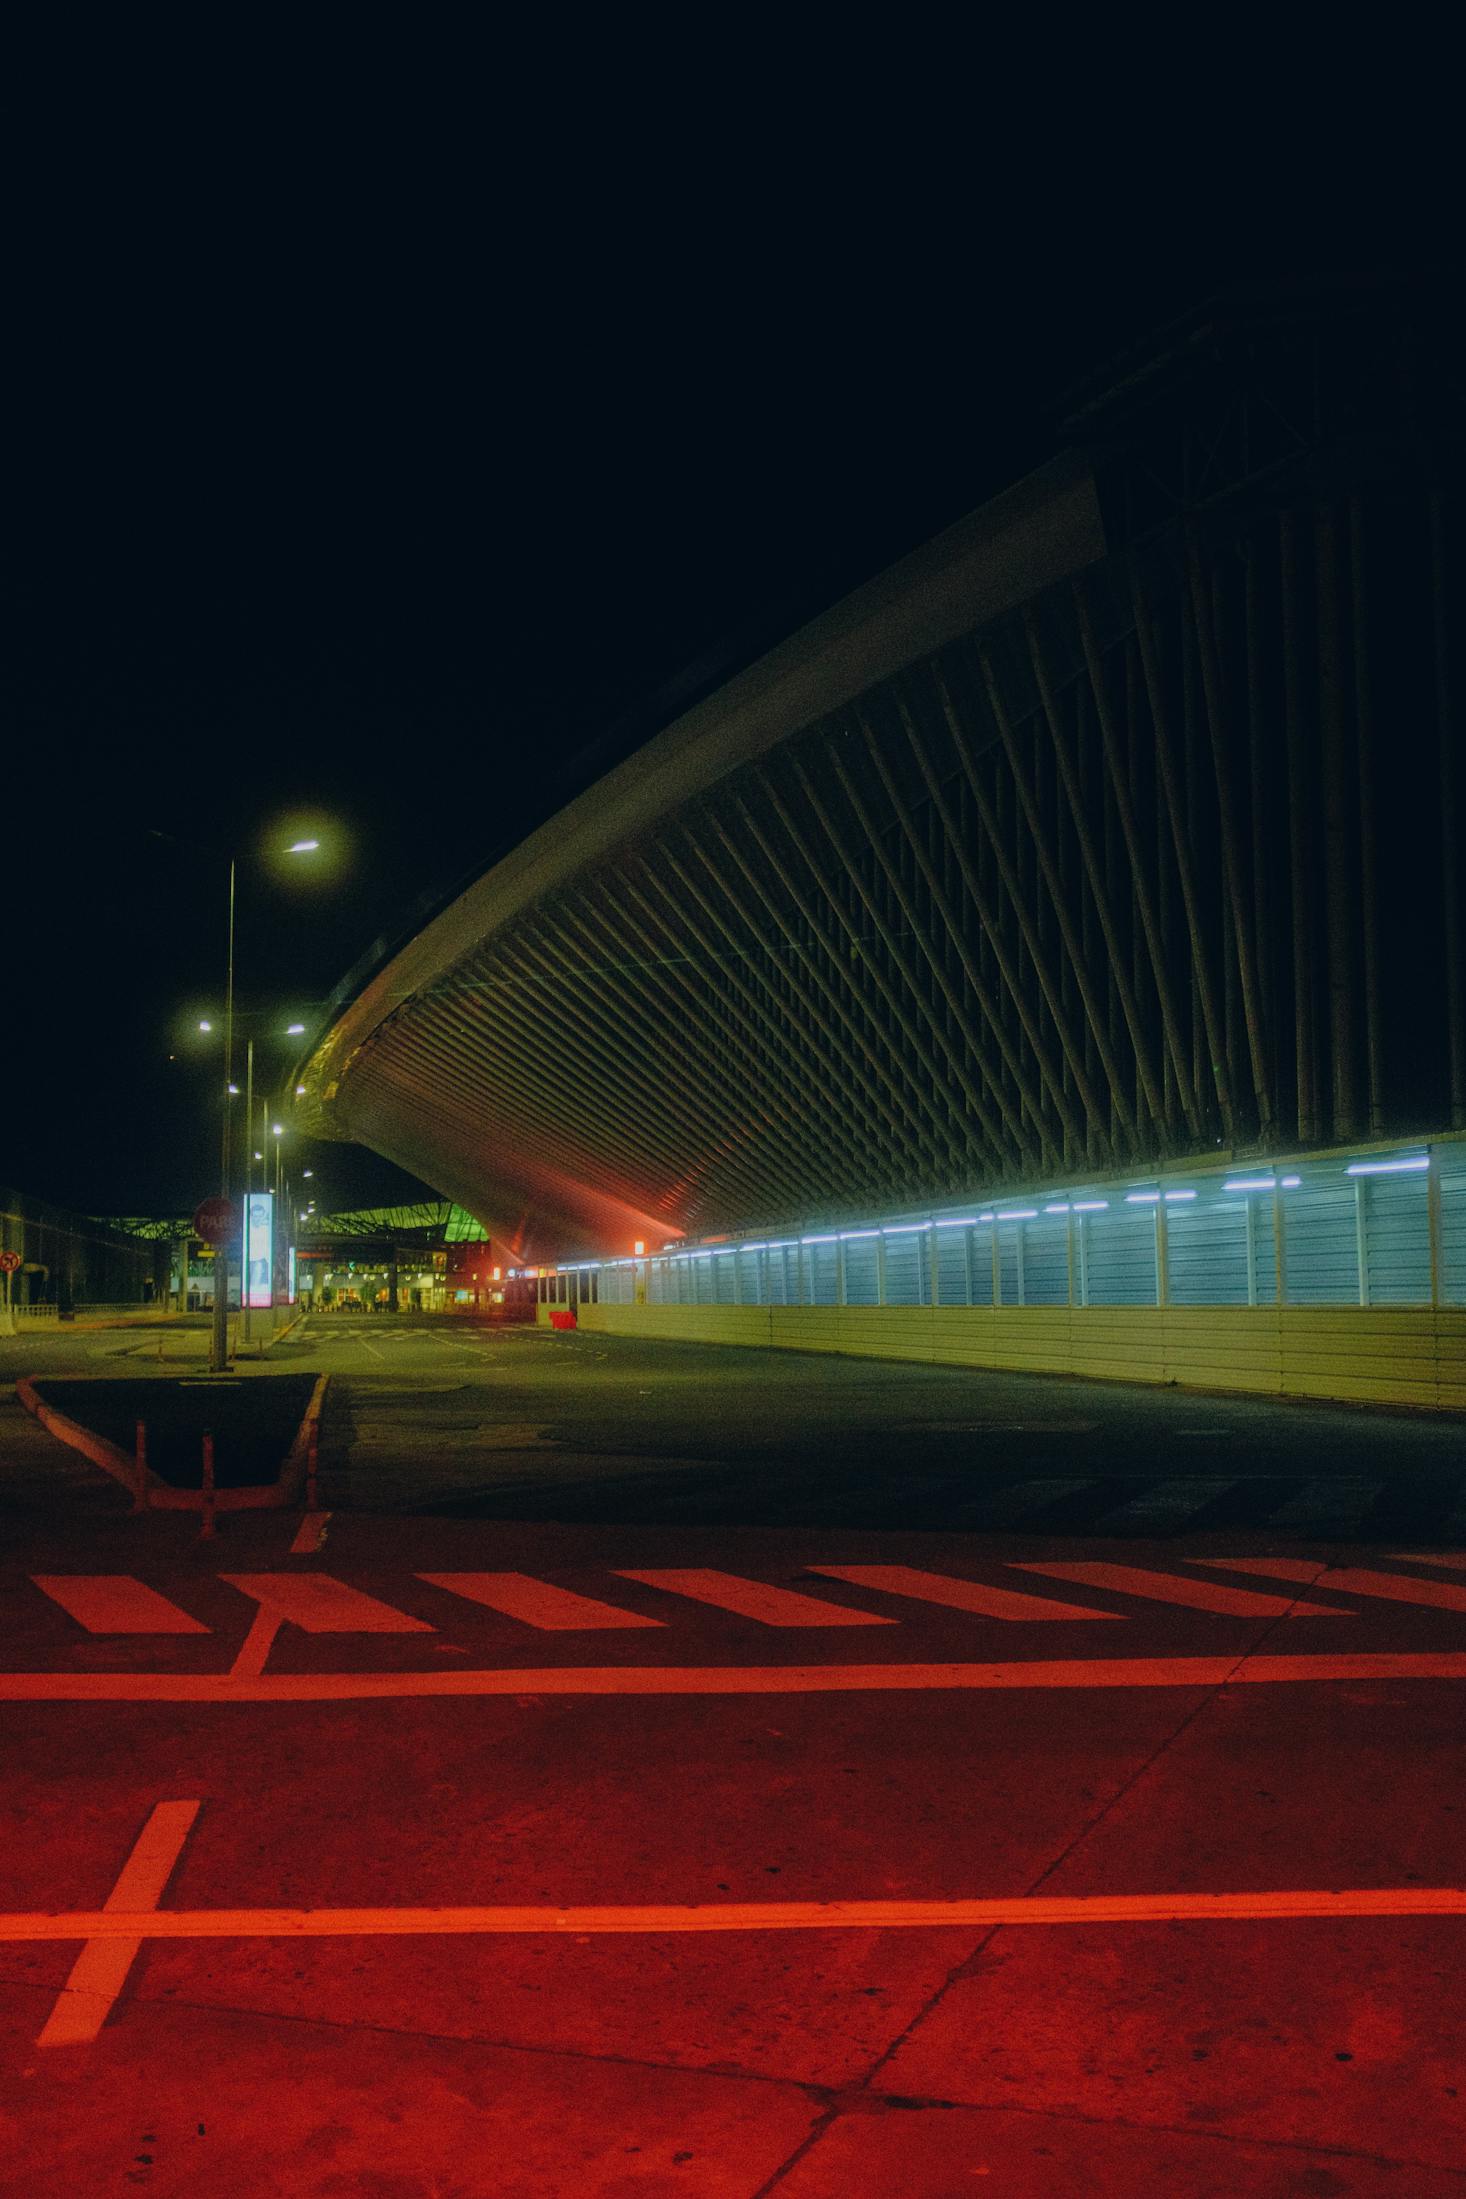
536, 1602
115, 1603
255, 1648
959, 1595
321, 1604
1135, 1580
1350, 1580
980, 1914
750, 1599
100, 1970
838, 1679
310, 1534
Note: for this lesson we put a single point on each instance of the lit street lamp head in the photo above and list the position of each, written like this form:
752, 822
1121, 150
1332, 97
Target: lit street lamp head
302, 847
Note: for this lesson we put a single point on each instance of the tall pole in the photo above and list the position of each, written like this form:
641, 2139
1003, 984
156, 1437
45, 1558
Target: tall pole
219, 1339
249, 1104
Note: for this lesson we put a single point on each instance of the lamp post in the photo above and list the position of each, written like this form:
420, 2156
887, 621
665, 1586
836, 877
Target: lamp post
219, 1335
251, 1154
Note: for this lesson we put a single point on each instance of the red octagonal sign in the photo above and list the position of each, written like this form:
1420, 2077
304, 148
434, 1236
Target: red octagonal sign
216, 1221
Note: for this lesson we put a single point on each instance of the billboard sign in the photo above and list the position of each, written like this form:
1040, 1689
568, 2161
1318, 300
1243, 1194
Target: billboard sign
290, 1270
259, 1247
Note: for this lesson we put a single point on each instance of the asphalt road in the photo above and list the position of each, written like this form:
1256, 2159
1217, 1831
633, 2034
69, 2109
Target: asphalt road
659, 1770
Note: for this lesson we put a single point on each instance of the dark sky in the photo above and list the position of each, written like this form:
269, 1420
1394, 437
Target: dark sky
330, 506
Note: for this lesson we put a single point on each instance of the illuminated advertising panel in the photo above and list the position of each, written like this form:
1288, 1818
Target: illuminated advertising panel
259, 1246
290, 1271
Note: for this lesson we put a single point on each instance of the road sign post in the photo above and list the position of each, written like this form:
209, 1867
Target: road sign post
217, 1221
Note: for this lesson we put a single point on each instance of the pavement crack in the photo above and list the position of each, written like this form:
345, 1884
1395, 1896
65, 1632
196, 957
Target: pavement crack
727, 2070
967, 1966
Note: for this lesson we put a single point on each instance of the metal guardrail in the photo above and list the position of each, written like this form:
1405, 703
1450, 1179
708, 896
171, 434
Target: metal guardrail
34, 1313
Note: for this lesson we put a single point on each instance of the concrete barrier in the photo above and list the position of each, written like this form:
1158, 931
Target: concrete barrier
1364, 1355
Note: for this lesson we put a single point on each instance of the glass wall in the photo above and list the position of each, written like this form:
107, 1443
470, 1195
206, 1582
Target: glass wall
1371, 1228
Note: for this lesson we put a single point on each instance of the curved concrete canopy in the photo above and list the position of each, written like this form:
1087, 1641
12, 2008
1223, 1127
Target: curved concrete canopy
1044, 855
1045, 527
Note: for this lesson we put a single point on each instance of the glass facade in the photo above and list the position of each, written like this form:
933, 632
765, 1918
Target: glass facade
1373, 1227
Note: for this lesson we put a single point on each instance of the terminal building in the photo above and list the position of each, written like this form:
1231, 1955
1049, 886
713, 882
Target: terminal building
429, 1257
1053, 956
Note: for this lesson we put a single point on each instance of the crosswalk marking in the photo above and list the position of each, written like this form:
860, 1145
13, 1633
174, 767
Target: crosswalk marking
750, 1599
1351, 1580
536, 1602
1019, 1499
321, 1604
1167, 1504
958, 1595
1135, 1580
1325, 1504
119, 1604
115, 1603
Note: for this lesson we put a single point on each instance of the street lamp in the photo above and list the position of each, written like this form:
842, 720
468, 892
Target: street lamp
219, 1338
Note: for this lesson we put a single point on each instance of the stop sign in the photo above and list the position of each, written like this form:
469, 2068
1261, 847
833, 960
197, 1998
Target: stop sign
216, 1221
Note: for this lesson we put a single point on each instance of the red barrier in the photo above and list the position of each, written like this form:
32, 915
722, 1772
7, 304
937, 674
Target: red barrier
565, 1320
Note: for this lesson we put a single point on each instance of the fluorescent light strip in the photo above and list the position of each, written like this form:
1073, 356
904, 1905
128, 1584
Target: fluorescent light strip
1410, 1166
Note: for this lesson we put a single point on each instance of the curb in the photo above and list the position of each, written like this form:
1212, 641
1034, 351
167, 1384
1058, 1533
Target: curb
160, 1495
306, 1436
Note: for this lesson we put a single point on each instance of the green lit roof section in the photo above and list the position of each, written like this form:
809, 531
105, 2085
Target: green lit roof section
432, 1221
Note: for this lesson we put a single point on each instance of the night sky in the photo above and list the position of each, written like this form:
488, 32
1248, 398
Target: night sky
415, 527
